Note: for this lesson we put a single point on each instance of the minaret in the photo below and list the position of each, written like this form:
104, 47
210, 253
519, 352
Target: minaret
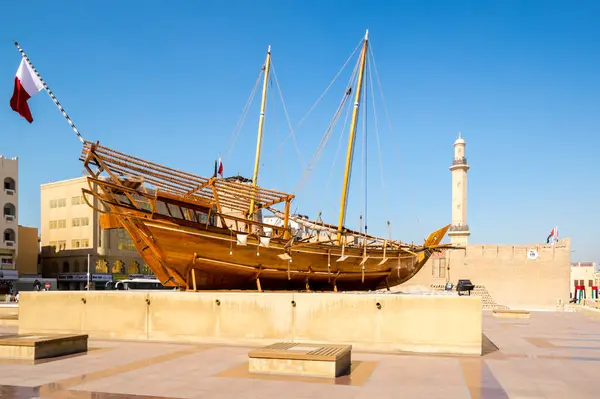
459, 230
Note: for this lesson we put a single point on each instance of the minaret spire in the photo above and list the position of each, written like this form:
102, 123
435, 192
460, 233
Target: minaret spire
459, 230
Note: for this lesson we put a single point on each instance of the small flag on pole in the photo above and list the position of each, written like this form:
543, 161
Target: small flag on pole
220, 171
553, 237
27, 84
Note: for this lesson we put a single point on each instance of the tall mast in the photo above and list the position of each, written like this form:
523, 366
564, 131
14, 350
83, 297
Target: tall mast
363, 57
261, 122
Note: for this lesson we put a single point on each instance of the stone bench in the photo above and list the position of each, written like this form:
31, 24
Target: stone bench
306, 360
32, 347
511, 314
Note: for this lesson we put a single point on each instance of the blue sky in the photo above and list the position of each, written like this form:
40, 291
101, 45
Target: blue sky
167, 81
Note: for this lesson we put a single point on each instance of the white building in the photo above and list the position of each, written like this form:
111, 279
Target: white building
9, 172
459, 230
584, 274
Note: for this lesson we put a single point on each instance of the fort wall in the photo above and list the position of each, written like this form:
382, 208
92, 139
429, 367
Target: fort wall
512, 276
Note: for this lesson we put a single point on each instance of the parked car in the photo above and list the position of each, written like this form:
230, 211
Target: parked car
464, 285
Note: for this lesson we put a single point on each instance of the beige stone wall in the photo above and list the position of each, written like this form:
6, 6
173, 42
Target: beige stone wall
27, 255
418, 323
505, 270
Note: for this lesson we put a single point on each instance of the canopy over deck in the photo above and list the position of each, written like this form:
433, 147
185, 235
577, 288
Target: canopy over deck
233, 195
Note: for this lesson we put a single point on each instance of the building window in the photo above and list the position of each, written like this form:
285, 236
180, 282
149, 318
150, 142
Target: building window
125, 241
76, 266
9, 235
590, 283
62, 223
66, 268
53, 245
85, 243
75, 244
76, 222
77, 200
134, 268
581, 282
442, 268
101, 266
118, 267
9, 184
10, 210
62, 245
52, 224
58, 203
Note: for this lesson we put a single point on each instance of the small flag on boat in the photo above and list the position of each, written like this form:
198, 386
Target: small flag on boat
220, 171
553, 237
27, 84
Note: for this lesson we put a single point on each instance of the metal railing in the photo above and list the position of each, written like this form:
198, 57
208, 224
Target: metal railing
459, 228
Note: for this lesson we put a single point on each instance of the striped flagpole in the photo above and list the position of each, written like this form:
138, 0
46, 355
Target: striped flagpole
52, 96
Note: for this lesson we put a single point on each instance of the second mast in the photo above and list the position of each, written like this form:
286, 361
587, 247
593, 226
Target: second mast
261, 122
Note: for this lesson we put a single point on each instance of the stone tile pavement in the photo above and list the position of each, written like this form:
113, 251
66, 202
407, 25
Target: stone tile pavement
549, 355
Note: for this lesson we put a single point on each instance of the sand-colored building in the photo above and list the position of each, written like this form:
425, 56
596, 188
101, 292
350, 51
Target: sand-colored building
9, 197
585, 274
70, 231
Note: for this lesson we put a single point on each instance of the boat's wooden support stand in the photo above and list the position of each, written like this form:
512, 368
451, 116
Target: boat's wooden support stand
258, 287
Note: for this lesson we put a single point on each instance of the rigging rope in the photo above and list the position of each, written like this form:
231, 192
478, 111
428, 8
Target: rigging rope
330, 84
238, 127
337, 153
390, 128
287, 117
307, 170
280, 158
383, 189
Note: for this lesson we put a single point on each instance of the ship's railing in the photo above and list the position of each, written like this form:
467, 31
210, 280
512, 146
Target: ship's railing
168, 207
230, 194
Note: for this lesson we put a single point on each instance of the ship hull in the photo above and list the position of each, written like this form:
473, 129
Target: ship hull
208, 259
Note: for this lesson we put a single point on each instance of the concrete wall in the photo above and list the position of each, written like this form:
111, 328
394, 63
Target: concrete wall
419, 323
510, 277
29, 249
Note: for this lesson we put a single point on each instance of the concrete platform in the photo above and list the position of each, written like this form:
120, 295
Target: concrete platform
306, 360
511, 314
32, 347
9, 320
552, 355
368, 321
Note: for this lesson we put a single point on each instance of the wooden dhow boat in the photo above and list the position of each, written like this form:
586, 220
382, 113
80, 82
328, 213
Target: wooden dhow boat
205, 233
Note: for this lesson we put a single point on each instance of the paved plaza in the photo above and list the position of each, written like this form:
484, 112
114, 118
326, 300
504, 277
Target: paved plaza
549, 355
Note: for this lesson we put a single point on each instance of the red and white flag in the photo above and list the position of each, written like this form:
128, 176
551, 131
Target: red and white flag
27, 84
553, 237
220, 170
